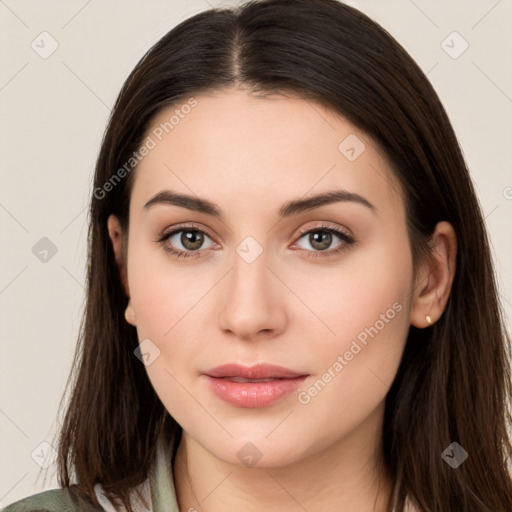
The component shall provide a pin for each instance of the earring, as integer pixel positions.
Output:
(126, 315)
(429, 320)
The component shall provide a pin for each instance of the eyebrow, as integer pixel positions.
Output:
(288, 209)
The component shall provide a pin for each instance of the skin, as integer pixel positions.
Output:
(284, 308)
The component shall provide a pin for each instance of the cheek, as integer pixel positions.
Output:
(169, 312)
(166, 301)
(171, 304)
(365, 304)
(359, 292)
(162, 291)
(354, 376)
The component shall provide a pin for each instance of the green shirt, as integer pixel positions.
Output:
(159, 483)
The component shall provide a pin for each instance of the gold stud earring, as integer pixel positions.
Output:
(429, 320)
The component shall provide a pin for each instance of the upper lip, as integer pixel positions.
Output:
(258, 371)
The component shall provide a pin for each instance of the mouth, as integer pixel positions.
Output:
(252, 387)
(242, 379)
(258, 371)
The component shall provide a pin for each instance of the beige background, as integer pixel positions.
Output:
(54, 111)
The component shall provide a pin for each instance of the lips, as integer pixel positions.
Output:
(256, 372)
(251, 387)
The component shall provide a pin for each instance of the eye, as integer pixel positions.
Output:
(320, 238)
(185, 241)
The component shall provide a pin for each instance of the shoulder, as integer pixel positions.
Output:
(54, 500)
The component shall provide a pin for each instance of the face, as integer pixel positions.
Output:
(321, 289)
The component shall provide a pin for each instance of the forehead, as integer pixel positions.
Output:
(253, 150)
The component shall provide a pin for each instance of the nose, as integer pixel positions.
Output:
(252, 301)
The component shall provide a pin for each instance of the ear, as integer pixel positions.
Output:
(435, 278)
(118, 238)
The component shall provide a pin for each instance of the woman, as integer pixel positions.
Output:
(290, 298)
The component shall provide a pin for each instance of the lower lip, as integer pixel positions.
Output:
(253, 394)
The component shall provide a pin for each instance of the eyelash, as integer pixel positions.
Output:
(347, 241)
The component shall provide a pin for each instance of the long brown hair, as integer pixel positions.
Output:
(453, 383)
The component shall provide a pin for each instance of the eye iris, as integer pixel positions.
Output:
(192, 240)
(320, 240)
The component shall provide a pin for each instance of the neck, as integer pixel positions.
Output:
(344, 476)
